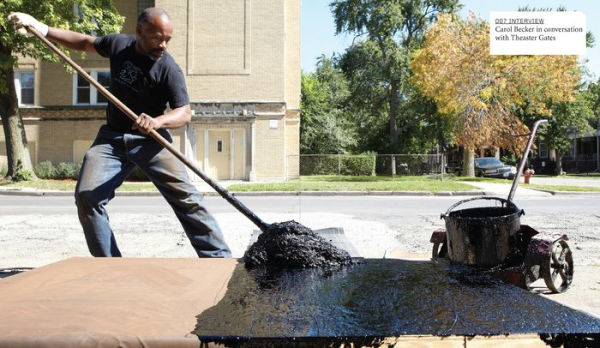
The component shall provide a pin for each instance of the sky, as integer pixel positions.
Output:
(318, 28)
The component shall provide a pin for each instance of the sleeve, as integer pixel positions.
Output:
(102, 45)
(176, 89)
(107, 45)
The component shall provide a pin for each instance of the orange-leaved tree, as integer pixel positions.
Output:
(482, 93)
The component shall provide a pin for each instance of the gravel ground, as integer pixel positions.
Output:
(35, 240)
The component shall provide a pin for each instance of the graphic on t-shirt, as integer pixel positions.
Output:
(129, 73)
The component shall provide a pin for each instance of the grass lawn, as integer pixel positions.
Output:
(69, 185)
(305, 183)
(358, 183)
(488, 180)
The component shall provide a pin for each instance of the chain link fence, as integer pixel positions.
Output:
(367, 164)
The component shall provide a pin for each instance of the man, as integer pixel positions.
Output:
(146, 78)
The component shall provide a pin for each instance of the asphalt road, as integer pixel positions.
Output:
(38, 230)
(366, 206)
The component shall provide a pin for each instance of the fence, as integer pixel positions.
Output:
(368, 164)
(580, 164)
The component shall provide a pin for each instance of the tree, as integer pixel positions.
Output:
(324, 128)
(568, 118)
(482, 92)
(91, 16)
(419, 126)
(593, 92)
(391, 30)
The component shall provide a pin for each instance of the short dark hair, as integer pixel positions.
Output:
(150, 13)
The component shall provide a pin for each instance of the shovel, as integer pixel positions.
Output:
(263, 226)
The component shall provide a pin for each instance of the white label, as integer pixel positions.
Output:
(537, 33)
(273, 124)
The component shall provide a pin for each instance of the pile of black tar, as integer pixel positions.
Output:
(292, 245)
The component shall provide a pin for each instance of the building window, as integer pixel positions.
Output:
(25, 87)
(144, 4)
(543, 150)
(219, 145)
(86, 94)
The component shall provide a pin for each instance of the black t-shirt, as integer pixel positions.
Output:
(143, 84)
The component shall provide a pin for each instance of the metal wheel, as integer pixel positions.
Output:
(558, 271)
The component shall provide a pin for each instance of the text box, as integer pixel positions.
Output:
(537, 33)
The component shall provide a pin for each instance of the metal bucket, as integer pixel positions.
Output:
(480, 236)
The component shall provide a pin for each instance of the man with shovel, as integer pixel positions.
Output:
(146, 79)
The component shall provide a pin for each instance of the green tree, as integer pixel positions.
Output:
(420, 127)
(593, 92)
(324, 127)
(568, 118)
(89, 16)
(390, 30)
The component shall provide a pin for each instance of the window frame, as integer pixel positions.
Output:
(543, 149)
(93, 90)
(19, 87)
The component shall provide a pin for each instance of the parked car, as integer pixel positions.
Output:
(494, 168)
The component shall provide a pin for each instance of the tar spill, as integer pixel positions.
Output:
(292, 245)
(377, 299)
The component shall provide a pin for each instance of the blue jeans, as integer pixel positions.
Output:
(110, 159)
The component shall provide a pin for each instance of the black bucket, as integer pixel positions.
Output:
(480, 236)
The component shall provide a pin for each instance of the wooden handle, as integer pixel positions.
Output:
(515, 184)
(154, 134)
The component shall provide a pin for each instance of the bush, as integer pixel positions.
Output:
(63, 170)
(358, 165)
(21, 174)
(44, 170)
(67, 170)
(337, 164)
(3, 169)
(319, 165)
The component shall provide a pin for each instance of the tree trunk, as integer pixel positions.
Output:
(394, 107)
(468, 165)
(558, 169)
(18, 158)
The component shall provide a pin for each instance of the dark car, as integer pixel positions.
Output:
(494, 168)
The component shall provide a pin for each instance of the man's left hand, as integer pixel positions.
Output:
(145, 124)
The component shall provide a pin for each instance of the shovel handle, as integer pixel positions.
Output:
(154, 134)
(515, 183)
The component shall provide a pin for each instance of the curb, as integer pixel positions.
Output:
(568, 193)
(259, 193)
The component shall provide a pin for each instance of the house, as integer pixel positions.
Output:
(241, 60)
(584, 154)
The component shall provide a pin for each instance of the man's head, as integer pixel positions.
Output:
(154, 30)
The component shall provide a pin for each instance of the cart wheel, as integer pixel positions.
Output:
(558, 272)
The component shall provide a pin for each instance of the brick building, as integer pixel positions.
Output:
(241, 60)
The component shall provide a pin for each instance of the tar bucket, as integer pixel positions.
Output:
(480, 236)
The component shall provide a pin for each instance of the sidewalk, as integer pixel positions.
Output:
(502, 190)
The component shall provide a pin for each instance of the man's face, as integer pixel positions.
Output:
(153, 37)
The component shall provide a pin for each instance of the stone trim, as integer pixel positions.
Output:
(69, 113)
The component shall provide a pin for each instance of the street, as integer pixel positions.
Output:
(37, 230)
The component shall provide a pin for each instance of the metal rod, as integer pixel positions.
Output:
(154, 134)
(515, 183)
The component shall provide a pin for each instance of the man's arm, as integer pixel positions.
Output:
(72, 40)
(172, 119)
(67, 38)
